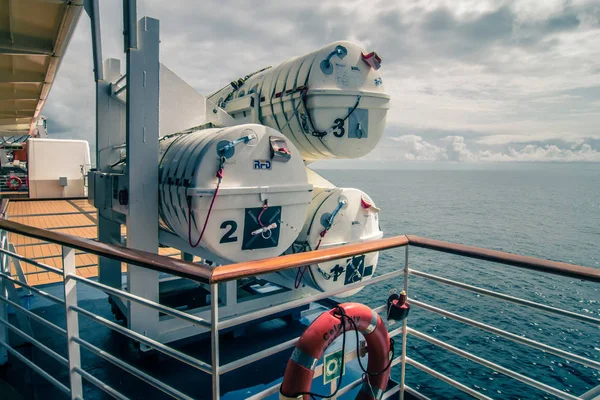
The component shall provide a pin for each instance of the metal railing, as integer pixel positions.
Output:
(213, 276)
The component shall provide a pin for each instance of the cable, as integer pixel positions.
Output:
(212, 203)
(264, 208)
(302, 270)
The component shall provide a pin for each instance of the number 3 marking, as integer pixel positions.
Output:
(339, 132)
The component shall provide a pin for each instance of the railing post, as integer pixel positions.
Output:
(4, 306)
(214, 339)
(404, 328)
(68, 259)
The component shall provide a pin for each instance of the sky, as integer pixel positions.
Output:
(470, 81)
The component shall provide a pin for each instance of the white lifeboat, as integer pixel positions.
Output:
(337, 216)
(330, 103)
(239, 192)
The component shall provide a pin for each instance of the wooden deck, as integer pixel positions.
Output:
(75, 217)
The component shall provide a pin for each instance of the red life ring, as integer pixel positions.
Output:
(14, 182)
(321, 333)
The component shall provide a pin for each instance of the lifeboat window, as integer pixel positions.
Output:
(254, 89)
(242, 93)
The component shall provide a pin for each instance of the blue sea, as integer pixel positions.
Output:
(550, 211)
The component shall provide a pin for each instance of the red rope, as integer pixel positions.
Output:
(264, 208)
(212, 203)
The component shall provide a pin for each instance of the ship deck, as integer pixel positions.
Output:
(70, 216)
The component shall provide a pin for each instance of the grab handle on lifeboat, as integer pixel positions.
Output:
(326, 65)
(227, 149)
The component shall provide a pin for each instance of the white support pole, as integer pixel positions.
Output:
(142, 170)
(5, 268)
(404, 329)
(68, 259)
(214, 340)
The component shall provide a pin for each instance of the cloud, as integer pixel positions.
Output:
(416, 148)
(455, 149)
(513, 73)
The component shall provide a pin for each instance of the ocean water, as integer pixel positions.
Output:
(548, 211)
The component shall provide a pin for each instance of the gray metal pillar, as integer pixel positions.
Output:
(110, 128)
(142, 169)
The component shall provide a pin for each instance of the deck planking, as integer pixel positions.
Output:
(74, 217)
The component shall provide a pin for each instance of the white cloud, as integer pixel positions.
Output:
(568, 137)
(455, 148)
(415, 148)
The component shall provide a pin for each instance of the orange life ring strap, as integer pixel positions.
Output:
(319, 336)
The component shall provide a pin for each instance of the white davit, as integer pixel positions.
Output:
(337, 216)
(330, 103)
(262, 199)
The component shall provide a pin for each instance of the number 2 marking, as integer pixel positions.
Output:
(227, 237)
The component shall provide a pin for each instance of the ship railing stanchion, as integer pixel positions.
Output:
(404, 328)
(72, 318)
(214, 339)
(4, 306)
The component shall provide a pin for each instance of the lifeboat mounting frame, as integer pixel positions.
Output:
(129, 114)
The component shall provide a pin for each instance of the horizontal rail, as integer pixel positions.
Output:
(184, 358)
(446, 379)
(40, 243)
(510, 336)
(414, 393)
(346, 389)
(498, 368)
(512, 299)
(391, 392)
(35, 342)
(37, 369)
(357, 382)
(35, 317)
(141, 258)
(52, 214)
(252, 268)
(592, 394)
(58, 228)
(532, 263)
(32, 288)
(32, 262)
(257, 356)
(99, 384)
(140, 300)
(265, 393)
(131, 369)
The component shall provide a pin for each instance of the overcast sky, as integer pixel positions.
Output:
(471, 81)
